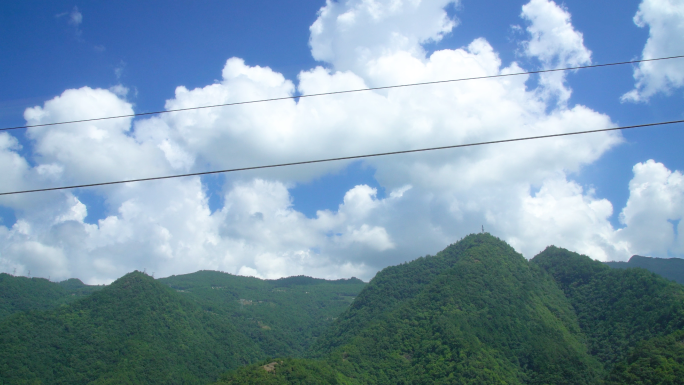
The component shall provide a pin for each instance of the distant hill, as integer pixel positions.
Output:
(284, 316)
(184, 329)
(135, 330)
(616, 308)
(670, 268)
(18, 294)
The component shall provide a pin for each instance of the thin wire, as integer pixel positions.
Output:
(343, 92)
(342, 158)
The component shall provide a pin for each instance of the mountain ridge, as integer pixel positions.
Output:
(458, 309)
(670, 268)
(476, 312)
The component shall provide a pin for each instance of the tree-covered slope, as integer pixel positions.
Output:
(616, 308)
(286, 371)
(18, 294)
(134, 331)
(670, 268)
(477, 312)
(659, 360)
(283, 317)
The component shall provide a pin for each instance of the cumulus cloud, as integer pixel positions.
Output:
(433, 198)
(652, 216)
(169, 228)
(353, 34)
(555, 42)
(91, 151)
(665, 20)
(561, 213)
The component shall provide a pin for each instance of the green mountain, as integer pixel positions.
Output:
(181, 329)
(479, 313)
(670, 268)
(659, 360)
(134, 331)
(476, 312)
(18, 294)
(283, 317)
(287, 371)
(616, 308)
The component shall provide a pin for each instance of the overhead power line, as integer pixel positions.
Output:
(342, 158)
(343, 92)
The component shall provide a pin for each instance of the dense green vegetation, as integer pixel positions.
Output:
(18, 294)
(480, 313)
(616, 308)
(286, 371)
(134, 331)
(182, 329)
(283, 317)
(670, 268)
(656, 361)
(475, 313)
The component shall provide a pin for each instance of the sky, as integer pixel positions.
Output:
(608, 195)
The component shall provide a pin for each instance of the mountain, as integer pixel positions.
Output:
(283, 317)
(670, 268)
(476, 312)
(286, 371)
(181, 329)
(659, 360)
(135, 330)
(18, 294)
(616, 308)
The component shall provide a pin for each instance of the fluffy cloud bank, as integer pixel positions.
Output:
(435, 198)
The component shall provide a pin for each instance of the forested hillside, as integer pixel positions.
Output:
(670, 268)
(19, 294)
(282, 316)
(616, 308)
(135, 330)
(659, 360)
(477, 312)
(184, 329)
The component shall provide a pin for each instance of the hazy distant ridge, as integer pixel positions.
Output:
(670, 268)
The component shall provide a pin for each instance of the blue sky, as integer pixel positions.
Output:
(137, 54)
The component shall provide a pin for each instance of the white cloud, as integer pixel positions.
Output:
(665, 19)
(75, 17)
(119, 90)
(15, 165)
(95, 151)
(562, 214)
(77, 212)
(352, 34)
(433, 198)
(655, 205)
(555, 42)
(168, 228)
